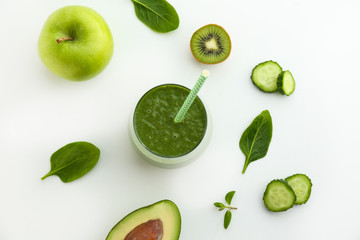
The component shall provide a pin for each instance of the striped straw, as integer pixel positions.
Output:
(191, 97)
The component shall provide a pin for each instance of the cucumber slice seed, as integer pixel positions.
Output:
(301, 184)
(286, 83)
(279, 196)
(265, 75)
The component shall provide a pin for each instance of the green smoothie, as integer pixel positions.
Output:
(154, 121)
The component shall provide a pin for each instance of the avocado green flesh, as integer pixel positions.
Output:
(159, 221)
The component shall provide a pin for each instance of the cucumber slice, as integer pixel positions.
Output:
(286, 83)
(279, 196)
(265, 75)
(301, 184)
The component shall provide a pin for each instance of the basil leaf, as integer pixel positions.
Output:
(229, 196)
(227, 219)
(73, 161)
(255, 140)
(158, 15)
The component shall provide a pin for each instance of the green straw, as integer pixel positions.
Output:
(191, 97)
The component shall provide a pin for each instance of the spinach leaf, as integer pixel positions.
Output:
(158, 15)
(255, 140)
(73, 161)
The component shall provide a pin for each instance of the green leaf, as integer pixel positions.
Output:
(255, 140)
(158, 15)
(229, 196)
(220, 206)
(73, 161)
(227, 219)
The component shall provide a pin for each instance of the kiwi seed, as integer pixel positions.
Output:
(210, 44)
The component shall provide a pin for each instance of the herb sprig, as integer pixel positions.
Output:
(228, 215)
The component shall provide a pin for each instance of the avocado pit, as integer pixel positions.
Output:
(150, 230)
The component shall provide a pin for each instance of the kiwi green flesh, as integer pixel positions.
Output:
(210, 44)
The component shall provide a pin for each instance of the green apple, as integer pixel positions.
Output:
(75, 43)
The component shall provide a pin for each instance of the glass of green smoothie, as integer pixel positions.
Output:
(155, 135)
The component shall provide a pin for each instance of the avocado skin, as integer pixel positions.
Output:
(165, 210)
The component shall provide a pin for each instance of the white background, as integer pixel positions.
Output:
(315, 130)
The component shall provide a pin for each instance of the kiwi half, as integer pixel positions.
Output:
(210, 44)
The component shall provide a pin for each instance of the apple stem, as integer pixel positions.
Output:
(64, 39)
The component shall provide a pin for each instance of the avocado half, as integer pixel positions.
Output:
(158, 221)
